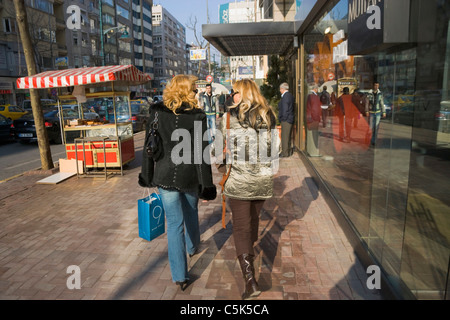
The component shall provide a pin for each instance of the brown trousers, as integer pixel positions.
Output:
(245, 217)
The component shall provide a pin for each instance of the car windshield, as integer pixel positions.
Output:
(135, 108)
(50, 114)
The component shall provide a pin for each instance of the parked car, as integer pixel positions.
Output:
(443, 117)
(12, 112)
(25, 130)
(157, 98)
(26, 104)
(139, 114)
(405, 115)
(6, 129)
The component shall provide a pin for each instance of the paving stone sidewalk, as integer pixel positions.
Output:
(92, 223)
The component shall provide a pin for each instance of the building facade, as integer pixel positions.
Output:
(61, 41)
(169, 47)
(42, 22)
(143, 41)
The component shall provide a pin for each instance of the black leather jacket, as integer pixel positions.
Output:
(191, 174)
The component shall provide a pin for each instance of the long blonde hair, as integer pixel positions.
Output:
(181, 90)
(252, 104)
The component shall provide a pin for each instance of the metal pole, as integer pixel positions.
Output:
(209, 45)
(102, 48)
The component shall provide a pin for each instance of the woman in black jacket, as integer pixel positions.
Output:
(182, 173)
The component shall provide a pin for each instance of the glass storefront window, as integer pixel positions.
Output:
(380, 139)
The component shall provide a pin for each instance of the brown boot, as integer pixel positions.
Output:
(248, 271)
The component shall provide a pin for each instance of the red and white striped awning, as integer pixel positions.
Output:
(83, 76)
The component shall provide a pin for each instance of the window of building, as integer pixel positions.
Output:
(109, 19)
(75, 38)
(108, 2)
(9, 25)
(43, 5)
(121, 11)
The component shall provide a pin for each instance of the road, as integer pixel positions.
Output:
(17, 158)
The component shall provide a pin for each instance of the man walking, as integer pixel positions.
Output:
(286, 118)
(376, 111)
(210, 105)
(325, 100)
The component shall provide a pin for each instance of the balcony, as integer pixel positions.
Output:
(62, 49)
(60, 23)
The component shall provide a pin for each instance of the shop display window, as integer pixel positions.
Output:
(388, 165)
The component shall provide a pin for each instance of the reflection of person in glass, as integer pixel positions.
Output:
(376, 111)
(349, 112)
(313, 116)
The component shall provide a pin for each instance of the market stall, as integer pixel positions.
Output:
(95, 112)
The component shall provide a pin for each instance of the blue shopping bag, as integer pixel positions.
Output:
(151, 218)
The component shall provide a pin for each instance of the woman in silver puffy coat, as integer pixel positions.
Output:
(254, 146)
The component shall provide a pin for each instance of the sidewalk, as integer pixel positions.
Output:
(92, 223)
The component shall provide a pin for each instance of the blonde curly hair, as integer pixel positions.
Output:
(181, 90)
(252, 104)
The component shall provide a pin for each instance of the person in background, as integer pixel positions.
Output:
(313, 116)
(325, 100)
(250, 182)
(286, 118)
(180, 183)
(210, 104)
(377, 111)
(361, 102)
(349, 112)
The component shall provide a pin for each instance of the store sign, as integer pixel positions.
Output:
(224, 13)
(377, 24)
(61, 62)
(365, 25)
(245, 70)
(340, 51)
(198, 54)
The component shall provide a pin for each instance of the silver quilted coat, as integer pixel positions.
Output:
(254, 160)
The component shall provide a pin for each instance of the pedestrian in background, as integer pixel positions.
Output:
(286, 118)
(313, 115)
(179, 184)
(361, 102)
(249, 183)
(377, 110)
(349, 111)
(210, 104)
(325, 100)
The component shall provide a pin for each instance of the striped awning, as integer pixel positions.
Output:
(128, 74)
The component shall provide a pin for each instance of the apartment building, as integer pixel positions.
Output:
(169, 47)
(42, 24)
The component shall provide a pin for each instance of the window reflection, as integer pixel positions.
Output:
(385, 155)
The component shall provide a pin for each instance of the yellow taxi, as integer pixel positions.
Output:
(12, 112)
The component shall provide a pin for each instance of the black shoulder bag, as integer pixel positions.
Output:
(154, 147)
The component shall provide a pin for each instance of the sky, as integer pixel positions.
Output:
(182, 10)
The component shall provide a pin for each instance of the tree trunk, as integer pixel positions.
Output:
(41, 132)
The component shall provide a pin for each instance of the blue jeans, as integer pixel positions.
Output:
(183, 233)
(211, 122)
(374, 124)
